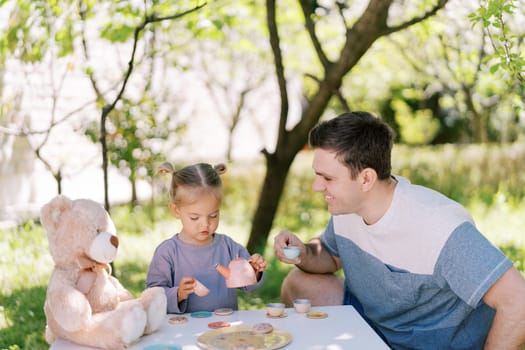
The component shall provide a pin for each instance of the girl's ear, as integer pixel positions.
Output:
(174, 210)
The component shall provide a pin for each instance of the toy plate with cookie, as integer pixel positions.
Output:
(243, 337)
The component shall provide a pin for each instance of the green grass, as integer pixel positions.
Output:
(488, 180)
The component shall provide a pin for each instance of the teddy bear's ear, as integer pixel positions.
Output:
(51, 212)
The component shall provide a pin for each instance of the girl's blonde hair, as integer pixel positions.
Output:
(194, 179)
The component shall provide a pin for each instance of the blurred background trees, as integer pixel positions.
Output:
(182, 81)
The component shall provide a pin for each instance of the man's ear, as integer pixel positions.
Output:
(368, 178)
(174, 210)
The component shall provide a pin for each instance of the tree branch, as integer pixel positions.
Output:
(310, 28)
(337, 92)
(279, 68)
(438, 6)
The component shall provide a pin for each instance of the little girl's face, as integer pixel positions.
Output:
(199, 219)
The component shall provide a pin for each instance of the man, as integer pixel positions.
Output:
(415, 265)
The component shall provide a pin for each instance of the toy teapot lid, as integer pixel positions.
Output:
(239, 273)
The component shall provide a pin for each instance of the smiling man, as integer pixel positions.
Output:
(415, 265)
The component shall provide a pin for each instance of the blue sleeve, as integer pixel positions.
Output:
(328, 239)
(470, 263)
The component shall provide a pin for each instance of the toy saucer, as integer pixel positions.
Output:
(283, 315)
(177, 320)
(262, 328)
(218, 324)
(223, 311)
(201, 314)
(317, 315)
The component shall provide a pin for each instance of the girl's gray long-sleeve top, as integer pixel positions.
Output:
(174, 259)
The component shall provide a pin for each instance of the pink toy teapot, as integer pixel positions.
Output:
(239, 273)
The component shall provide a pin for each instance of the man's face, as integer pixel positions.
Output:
(332, 178)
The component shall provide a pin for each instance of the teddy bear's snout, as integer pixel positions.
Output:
(103, 249)
(114, 241)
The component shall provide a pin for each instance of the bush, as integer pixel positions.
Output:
(465, 173)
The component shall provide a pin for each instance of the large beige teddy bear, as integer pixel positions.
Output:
(84, 303)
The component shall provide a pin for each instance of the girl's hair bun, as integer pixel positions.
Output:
(165, 168)
(220, 168)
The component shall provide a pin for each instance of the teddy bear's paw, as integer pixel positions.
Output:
(156, 310)
(133, 324)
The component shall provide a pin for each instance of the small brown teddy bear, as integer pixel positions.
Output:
(84, 303)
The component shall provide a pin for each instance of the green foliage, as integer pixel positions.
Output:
(36, 24)
(240, 194)
(217, 19)
(141, 220)
(516, 254)
(135, 135)
(496, 17)
(65, 36)
(417, 128)
(118, 33)
(465, 173)
(420, 118)
(301, 210)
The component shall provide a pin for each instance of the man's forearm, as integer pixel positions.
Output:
(317, 259)
(506, 333)
(508, 326)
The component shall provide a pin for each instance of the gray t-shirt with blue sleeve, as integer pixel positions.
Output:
(421, 271)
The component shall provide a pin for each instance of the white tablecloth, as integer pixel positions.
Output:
(343, 329)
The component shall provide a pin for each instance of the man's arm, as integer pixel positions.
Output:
(317, 259)
(507, 297)
(314, 258)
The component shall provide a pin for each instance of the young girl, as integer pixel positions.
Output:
(190, 256)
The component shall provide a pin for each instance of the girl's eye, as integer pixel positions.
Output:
(213, 216)
(194, 218)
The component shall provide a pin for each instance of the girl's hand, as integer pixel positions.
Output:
(258, 262)
(186, 287)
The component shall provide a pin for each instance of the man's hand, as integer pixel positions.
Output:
(283, 239)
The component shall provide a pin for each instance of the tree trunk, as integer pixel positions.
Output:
(272, 190)
(134, 197)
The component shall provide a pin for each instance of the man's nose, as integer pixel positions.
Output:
(318, 186)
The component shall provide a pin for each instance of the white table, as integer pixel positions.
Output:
(343, 329)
